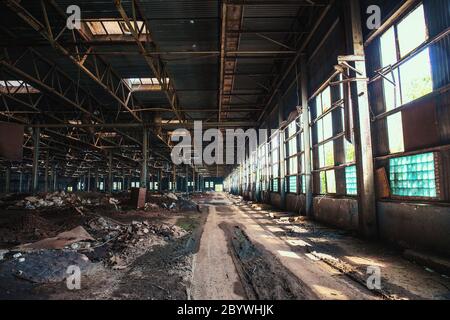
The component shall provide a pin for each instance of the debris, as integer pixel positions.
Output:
(46, 266)
(60, 241)
(62, 199)
(172, 196)
(17, 255)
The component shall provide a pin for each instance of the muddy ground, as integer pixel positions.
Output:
(230, 249)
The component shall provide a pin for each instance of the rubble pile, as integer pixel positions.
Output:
(171, 202)
(63, 199)
(118, 245)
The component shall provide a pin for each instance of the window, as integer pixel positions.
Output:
(263, 166)
(407, 77)
(16, 86)
(327, 182)
(414, 176)
(351, 180)
(292, 187)
(327, 125)
(134, 184)
(274, 162)
(114, 27)
(146, 84)
(291, 160)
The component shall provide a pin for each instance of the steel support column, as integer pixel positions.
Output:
(362, 128)
(20, 181)
(174, 179)
(89, 181)
(110, 173)
(54, 187)
(46, 173)
(187, 180)
(306, 138)
(144, 174)
(282, 153)
(7, 180)
(35, 174)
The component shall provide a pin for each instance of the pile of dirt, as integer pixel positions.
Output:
(33, 226)
(118, 244)
(262, 275)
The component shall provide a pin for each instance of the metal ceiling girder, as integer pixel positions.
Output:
(279, 80)
(60, 91)
(97, 69)
(157, 66)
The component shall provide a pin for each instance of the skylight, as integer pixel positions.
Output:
(113, 27)
(16, 86)
(145, 84)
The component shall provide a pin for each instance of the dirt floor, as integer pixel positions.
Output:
(231, 249)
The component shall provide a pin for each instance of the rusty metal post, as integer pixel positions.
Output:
(35, 174)
(306, 138)
(368, 225)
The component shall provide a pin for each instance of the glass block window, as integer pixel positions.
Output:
(275, 185)
(350, 180)
(292, 184)
(413, 176)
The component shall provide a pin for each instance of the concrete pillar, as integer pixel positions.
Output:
(193, 179)
(187, 180)
(54, 175)
(368, 225)
(20, 181)
(306, 138)
(89, 180)
(110, 174)
(174, 179)
(35, 172)
(159, 177)
(7, 180)
(46, 173)
(282, 153)
(96, 181)
(123, 180)
(144, 174)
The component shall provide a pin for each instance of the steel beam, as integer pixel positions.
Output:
(35, 174)
(156, 65)
(110, 173)
(144, 174)
(7, 180)
(279, 81)
(306, 137)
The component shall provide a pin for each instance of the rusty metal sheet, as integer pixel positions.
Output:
(138, 197)
(382, 182)
(420, 125)
(11, 141)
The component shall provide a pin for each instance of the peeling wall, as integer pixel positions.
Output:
(415, 226)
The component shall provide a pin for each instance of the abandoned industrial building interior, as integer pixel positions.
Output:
(345, 195)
